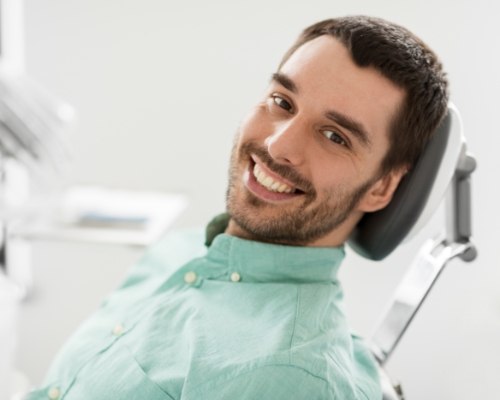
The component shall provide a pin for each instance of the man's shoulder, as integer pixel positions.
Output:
(279, 381)
(262, 380)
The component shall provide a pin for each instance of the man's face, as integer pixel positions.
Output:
(306, 162)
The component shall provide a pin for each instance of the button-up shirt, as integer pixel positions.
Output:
(239, 320)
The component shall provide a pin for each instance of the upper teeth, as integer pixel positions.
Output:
(269, 183)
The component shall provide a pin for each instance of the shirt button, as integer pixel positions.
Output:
(190, 277)
(54, 393)
(118, 329)
(235, 277)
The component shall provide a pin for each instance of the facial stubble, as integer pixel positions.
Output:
(306, 223)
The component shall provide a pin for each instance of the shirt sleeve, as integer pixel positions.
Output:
(275, 382)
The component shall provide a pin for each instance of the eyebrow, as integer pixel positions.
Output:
(285, 81)
(353, 126)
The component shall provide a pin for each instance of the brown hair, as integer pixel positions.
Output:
(406, 61)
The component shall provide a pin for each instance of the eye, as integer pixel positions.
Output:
(335, 137)
(282, 103)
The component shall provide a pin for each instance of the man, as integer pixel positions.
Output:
(258, 314)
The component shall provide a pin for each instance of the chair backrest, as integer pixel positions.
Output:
(417, 196)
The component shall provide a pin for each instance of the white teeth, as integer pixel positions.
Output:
(269, 183)
(275, 186)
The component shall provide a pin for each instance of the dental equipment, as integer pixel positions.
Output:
(445, 167)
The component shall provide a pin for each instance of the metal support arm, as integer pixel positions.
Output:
(431, 260)
(424, 272)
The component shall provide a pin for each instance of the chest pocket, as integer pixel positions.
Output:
(116, 375)
(113, 374)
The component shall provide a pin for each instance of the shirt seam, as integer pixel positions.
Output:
(292, 337)
(228, 377)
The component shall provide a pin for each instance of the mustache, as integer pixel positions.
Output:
(285, 171)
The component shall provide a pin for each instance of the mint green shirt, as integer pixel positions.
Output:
(242, 320)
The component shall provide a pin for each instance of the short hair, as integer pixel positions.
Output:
(405, 60)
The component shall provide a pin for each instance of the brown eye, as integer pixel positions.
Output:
(282, 103)
(335, 137)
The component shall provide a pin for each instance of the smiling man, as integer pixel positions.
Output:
(308, 161)
(258, 313)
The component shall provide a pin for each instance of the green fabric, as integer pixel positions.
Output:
(276, 333)
(216, 226)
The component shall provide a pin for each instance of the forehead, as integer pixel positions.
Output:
(327, 78)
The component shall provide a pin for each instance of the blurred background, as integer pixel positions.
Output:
(159, 88)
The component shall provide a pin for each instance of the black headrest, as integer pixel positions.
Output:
(379, 233)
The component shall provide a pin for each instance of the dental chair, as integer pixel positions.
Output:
(443, 170)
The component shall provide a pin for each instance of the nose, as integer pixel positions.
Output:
(287, 144)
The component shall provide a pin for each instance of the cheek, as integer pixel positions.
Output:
(332, 173)
(254, 125)
(324, 183)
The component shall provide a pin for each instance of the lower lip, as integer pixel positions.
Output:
(261, 192)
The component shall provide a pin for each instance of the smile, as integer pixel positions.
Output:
(268, 185)
(269, 182)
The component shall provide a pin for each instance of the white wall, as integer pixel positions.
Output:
(160, 87)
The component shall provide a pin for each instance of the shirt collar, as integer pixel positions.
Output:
(264, 262)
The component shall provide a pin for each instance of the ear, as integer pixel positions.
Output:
(380, 193)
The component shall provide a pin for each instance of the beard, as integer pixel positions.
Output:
(309, 220)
